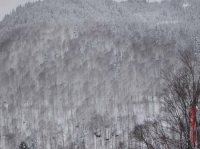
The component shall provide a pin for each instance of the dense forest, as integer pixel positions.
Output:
(87, 74)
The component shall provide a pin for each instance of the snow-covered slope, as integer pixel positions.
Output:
(79, 11)
(84, 81)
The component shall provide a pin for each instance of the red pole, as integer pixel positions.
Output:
(193, 126)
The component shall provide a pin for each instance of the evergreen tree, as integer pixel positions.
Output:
(23, 145)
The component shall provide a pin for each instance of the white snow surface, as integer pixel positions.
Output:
(185, 5)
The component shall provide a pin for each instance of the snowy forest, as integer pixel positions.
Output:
(99, 74)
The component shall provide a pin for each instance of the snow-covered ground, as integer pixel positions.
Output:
(185, 5)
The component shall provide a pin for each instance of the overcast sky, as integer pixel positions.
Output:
(6, 6)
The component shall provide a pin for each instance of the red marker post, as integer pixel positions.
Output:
(193, 127)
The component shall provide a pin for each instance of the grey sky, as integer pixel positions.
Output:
(6, 6)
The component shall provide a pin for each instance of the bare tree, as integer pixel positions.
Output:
(180, 93)
(142, 133)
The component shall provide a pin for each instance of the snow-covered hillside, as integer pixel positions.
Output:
(82, 74)
(78, 11)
